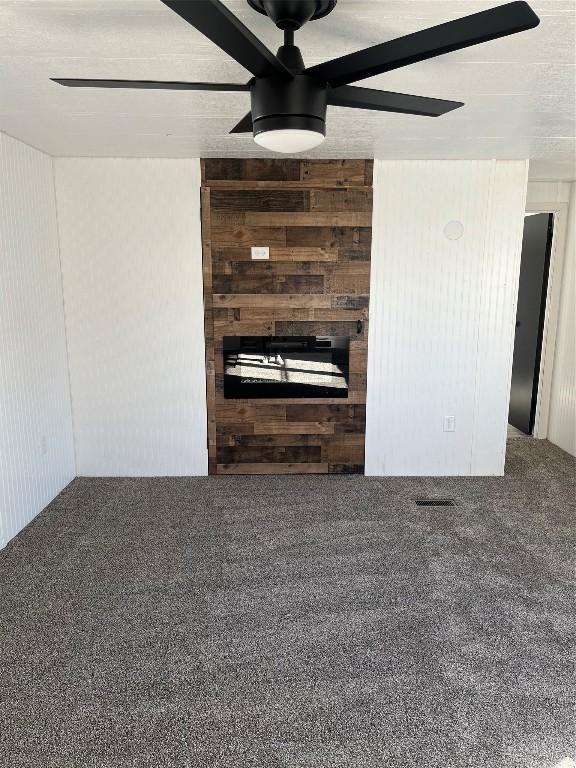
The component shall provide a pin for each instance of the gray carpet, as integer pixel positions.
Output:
(295, 622)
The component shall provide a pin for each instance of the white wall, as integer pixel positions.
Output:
(442, 315)
(36, 443)
(132, 267)
(562, 420)
(548, 192)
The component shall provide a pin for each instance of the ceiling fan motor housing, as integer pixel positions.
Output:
(293, 14)
(299, 103)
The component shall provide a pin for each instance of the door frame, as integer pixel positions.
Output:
(560, 211)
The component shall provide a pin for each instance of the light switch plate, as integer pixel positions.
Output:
(449, 423)
(260, 253)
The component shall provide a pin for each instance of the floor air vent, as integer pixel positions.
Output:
(430, 502)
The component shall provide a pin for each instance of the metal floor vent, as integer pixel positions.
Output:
(431, 502)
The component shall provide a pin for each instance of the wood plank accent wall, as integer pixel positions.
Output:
(316, 217)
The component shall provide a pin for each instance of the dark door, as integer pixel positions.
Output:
(534, 265)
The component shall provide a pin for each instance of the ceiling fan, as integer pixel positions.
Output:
(289, 100)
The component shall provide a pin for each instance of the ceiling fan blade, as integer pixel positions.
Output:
(245, 125)
(149, 85)
(387, 101)
(435, 41)
(217, 23)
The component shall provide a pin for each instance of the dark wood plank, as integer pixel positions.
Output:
(293, 184)
(346, 469)
(264, 200)
(272, 469)
(342, 454)
(347, 268)
(293, 428)
(224, 313)
(349, 199)
(225, 168)
(234, 413)
(345, 314)
(275, 269)
(241, 454)
(325, 413)
(250, 236)
(268, 314)
(341, 301)
(348, 283)
(273, 300)
(309, 219)
(257, 169)
(358, 354)
(228, 219)
(337, 172)
(244, 328)
(358, 426)
(354, 253)
(344, 438)
(357, 381)
(369, 172)
(268, 284)
(208, 326)
(229, 431)
(319, 328)
(326, 237)
(283, 440)
(252, 314)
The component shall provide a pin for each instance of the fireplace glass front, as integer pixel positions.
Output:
(285, 366)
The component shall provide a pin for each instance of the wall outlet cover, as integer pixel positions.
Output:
(260, 253)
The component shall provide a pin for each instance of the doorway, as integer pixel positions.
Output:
(530, 317)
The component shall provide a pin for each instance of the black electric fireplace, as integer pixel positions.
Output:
(285, 366)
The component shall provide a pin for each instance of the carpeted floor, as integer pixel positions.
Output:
(295, 622)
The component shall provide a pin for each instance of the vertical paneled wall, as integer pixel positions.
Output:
(445, 262)
(132, 267)
(36, 443)
(316, 217)
(562, 424)
(496, 319)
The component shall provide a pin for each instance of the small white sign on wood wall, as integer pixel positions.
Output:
(260, 253)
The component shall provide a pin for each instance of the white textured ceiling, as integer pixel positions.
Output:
(519, 91)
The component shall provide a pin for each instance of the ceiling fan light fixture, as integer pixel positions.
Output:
(289, 116)
(289, 141)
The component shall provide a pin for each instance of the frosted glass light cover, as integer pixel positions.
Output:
(289, 140)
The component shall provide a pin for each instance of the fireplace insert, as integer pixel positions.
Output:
(285, 366)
